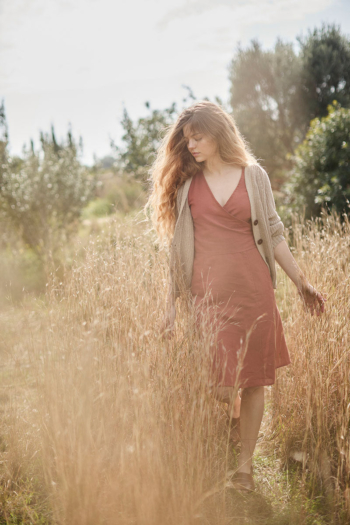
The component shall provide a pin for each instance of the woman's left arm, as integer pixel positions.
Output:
(310, 296)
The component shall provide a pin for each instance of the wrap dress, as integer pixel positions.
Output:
(232, 289)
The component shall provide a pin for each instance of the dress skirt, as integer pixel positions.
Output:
(232, 289)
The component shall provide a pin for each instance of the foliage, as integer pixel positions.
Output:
(325, 74)
(321, 176)
(97, 208)
(3, 141)
(142, 138)
(275, 94)
(21, 273)
(126, 195)
(264, 100)
(43, 194)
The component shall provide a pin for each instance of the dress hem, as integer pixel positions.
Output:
(257, 381)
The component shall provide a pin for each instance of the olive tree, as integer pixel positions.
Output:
(43, 193)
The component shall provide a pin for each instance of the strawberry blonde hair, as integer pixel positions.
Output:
(174, 163)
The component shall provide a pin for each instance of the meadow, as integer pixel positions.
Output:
(105, 422)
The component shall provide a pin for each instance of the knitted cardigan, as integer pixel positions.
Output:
(266, 223)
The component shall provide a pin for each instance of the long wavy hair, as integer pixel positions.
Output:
(174, 163)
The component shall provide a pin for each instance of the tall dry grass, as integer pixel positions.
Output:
(107, 423)
(311, 400)
(124, 425)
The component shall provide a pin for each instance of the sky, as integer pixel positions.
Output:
(76, 64)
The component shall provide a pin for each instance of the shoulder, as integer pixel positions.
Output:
(257, 172)
(258, 175)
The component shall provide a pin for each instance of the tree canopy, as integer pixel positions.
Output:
(275, 93)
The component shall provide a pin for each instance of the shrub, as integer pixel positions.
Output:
(43, 195)
(321, 176)
(97, 208)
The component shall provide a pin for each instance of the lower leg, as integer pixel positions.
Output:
(252, 409)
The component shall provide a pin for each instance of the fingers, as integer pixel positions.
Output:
(319, 303)
(322, 299)
(312, 300)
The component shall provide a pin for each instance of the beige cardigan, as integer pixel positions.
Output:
(266, 223)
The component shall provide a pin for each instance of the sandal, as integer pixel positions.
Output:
(243, 482)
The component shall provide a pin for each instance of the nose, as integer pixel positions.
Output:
(191, 144)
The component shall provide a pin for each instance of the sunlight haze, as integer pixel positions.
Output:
(78, 62)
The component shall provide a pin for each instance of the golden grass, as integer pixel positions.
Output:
(311, 400)
(104, 422)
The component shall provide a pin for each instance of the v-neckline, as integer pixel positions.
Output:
(212, 194)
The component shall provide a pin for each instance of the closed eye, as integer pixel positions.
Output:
(197, 140)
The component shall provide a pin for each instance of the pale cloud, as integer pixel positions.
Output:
(78, 61)
(247, 11)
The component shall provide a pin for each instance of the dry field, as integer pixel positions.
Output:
(103, 422)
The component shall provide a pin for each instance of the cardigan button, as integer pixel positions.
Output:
(256, 222)
(260, 241)
(267, 259)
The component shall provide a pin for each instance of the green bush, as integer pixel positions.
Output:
(321, 174)
(21, 272)
(43, 195)
(126, 196)
(97, 208)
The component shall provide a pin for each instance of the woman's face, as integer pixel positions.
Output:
(200, 145)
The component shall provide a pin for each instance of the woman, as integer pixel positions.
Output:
(214, 201)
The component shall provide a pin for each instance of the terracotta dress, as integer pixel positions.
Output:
(232, 289)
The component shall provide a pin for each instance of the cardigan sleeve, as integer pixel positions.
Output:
(173, 287)
(177, 202)
(275, 222)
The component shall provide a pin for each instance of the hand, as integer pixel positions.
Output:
(312, 298)
(167, 325)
